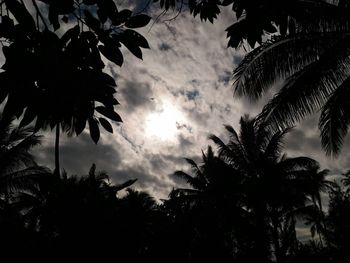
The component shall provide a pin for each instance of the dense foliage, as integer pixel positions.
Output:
(55, 47)
(242, 204)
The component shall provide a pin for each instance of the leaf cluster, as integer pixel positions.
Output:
(53, 76)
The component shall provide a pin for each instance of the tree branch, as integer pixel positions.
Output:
(40, 14)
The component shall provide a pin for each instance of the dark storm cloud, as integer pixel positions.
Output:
(136, 5)
(145, 180)
(185, 127)
(187, 67)
(78, 154)
(136, 94)
(305, 137)
(192, 94)
(225, 78)
(164, 47)
(237, 58)
(136, 172)
(159, 162)
(294, 139)
(199, 118)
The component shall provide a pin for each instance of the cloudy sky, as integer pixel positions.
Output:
(170, 102)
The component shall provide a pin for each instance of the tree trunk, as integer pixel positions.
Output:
(262, 236)
(57, 150)
(276, 239)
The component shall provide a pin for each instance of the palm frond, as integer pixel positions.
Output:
(192, 181)
(232, 134)
(21, 179)
(222, 147)
(346, 180)
(12, 161)
(248, 138)
(122, 186)
(320, 16)
(306, 91)
(193, 164)
(277, 58)
(180, 192)
(335, 119)
(298, 163)
(275, 144)
(232, 153)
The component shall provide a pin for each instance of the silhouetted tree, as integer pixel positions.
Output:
(317, 184)
(255, 19)
(210, 206)
(56, 77)
(337, 223)
(73, 213)
(263, 190)
(302, 42)
(18, 172)
(275, 186)
(312, 59)
(18, 168)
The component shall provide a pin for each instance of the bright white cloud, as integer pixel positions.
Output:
(189, 69)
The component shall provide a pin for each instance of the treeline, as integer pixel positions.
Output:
(243, 201)
(242, 204)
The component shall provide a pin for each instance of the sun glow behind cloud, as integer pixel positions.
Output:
(163, 124)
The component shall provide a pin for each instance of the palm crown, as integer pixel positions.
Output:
(313, 59)
(17, 165)
(254, 180)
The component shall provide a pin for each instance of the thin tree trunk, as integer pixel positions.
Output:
(57, 150)
(262, 239)
(322, 220)
(276, 240)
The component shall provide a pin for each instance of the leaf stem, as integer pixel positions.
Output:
(40, 14)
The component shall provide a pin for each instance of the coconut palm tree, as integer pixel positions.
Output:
(18, 168)
(313, 60)
(18, 172)
(212, 209)
(73, 212)
(337, 222)
(314, 215)
(274, 186)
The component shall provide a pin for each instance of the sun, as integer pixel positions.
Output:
(164, 124)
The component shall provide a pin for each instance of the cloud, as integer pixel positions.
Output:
(135, 95)
(189, 68)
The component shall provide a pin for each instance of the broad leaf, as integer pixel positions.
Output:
(21, 14)
(135, 38)
(122, 17)
(91, 21)
(109, 113)
(106, 125)
(94, 130)
(137, 21)
(112, 53)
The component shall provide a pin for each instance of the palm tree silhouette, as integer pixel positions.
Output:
(260, 182)
(337, 222)
(73, 212)
(313, 59)
(18, 173)
(314, 214)
(276, 186)
(18, 170)
(211, 205)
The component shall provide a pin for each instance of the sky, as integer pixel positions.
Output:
(170, 102)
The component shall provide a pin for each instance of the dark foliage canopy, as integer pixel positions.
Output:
(55, 75)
